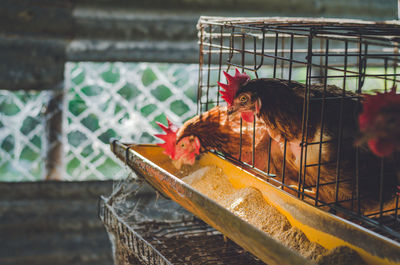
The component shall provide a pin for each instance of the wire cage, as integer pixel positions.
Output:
(147, 229)
(356, 57)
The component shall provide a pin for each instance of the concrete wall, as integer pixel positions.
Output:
(48, 223)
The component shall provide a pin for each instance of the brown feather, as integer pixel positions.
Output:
(282, 109)
(216, 131)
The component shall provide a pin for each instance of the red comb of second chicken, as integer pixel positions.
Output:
(169, 138)
(234, 82)
(380, 122)
(373, 104)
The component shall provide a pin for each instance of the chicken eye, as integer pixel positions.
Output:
(243, 99)
(182, 145)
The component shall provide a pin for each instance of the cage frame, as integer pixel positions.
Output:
(363, 34)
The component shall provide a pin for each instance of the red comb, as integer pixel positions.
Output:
(373, 105)
(234, 82)
(169, 138)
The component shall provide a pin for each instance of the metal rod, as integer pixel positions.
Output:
(396, 221)
(386, 68)
(209, 71)
(262, 51)
(283, 55)
(340, 133)
(240, 139)
(284, 162)
(306, 102)
(337, 33)
(291, 59)
(357, 158)
(231, 48)
(322, 124)
(220, 63)
(395, 67)
(269, 156)
(255, 57)
(254, 142)
(379, 76)
(276, 53)
(201, 62)
(381, 185)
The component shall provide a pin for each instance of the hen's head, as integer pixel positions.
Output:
(182, 152)
(243, 102)
(380, 122)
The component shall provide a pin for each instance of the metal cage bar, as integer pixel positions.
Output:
(354, 54)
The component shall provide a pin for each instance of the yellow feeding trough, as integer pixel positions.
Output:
(321, 228)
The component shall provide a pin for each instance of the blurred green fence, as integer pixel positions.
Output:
(22, 135)
(103, 100)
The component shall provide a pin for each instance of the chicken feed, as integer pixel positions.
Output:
(249, 204)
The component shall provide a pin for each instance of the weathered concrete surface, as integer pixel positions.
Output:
(37, 37)
(51, 223)
(33, 41)
(31, 63)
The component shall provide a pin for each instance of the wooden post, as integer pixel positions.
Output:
(54, 131)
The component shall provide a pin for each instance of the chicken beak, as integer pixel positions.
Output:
(177, 163)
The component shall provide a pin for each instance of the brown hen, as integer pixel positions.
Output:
(280, 104)
(213, 130)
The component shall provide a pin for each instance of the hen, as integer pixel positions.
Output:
(380, 126)
(213, 130)
(380, 123)
(280, 104)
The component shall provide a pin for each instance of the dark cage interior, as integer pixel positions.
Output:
(330, 65)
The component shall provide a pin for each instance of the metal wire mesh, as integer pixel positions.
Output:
(146, 229)
(22, 135)
(355, 56)
(120, 100)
